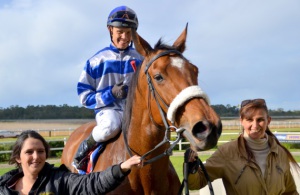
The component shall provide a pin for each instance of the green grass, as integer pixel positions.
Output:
(4, 170)
(176, 160)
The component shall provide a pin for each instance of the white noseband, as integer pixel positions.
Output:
(185, 95)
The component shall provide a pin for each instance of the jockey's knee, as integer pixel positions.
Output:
(101, 134)
(108, 125)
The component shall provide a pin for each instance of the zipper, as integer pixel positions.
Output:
(242, 171)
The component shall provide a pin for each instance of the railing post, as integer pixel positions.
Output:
(180, 145)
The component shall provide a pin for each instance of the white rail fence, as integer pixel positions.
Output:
(227, 124)
(285, 137)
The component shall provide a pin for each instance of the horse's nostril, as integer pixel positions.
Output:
(200, 129)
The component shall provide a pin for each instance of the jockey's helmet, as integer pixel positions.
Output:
(123, 16)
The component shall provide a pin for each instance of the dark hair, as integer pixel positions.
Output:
(246, 111)
(17, 147)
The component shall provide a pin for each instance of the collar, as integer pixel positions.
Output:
(271, 141)
(257, 144)
(112, 47)
(14, 175)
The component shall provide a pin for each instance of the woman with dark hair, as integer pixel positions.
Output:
(255, 163)
(16, 151)
(35, 176)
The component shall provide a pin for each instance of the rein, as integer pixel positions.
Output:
(167, 152)
(184, 183)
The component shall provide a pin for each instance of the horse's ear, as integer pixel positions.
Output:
(179, 44)
(140, 44)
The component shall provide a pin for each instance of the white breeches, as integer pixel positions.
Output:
(108, 125)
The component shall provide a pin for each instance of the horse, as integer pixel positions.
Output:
(164, 96)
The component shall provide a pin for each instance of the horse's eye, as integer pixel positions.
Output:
(158, 78)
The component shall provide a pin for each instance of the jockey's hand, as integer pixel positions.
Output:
(193, 162)
(133, 161)
(119, 90)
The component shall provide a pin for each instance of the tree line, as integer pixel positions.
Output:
(75, 112)
(233, 111)
(46, 112)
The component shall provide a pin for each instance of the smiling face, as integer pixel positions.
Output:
(121, 37)
(256, 123)
(32, 156)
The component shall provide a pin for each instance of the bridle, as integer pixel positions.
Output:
(168, 127)
(180, 99)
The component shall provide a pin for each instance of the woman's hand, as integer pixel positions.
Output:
(133, 161)
(193, 161)
(192, 155)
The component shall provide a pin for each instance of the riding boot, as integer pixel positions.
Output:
(80, 159)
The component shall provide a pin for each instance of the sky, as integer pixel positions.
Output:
(243, 49)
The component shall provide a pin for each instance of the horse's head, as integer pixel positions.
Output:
(173, 81)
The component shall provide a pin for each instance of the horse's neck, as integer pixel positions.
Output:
(146, 129)
(144, 138)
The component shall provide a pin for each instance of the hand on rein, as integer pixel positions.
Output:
(193, 161)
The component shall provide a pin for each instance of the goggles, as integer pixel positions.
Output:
(246, 102)
(126, 15)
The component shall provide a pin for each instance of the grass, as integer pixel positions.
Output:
(4, 170)
(177, 162)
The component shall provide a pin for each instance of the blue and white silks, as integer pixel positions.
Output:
(106, 68)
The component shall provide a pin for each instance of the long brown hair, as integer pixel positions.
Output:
(17, 147)
(248, 107)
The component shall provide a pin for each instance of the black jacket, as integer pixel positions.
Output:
(55, 181)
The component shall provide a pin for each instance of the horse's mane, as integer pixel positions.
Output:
(133, 85)
(129, 100)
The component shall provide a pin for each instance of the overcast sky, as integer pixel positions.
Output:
(243, 49)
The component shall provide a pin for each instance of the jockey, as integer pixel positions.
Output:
(104, 81)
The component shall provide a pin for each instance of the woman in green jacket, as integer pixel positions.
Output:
(255, 163)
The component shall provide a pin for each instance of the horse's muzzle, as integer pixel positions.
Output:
(206, 134)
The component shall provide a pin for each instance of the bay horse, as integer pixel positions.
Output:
(164, 96)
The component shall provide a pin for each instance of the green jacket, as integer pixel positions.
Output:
(242, 177)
